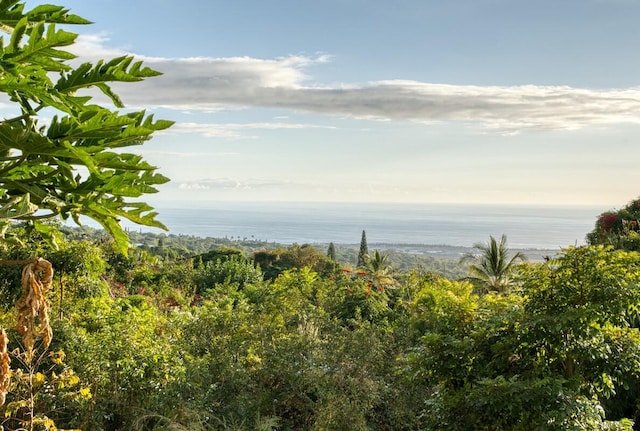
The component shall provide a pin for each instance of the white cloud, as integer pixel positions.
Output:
(185, 155)
(93, 47)
(193, 186)
(232, 184)
(233, 130)
(205, 84)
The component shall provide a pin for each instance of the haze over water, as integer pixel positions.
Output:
(541, 227)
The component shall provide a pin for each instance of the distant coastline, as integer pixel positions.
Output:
(451, 252)
(428, 228)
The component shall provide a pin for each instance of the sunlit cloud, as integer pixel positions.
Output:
(234, 130)
(210, 84)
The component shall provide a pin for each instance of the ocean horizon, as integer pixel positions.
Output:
(463, 225)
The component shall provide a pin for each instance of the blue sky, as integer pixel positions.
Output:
(465, 101)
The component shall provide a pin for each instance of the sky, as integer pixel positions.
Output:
(417, 101)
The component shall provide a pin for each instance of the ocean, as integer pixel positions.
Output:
(526, 227)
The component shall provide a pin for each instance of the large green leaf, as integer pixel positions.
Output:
(17, 207)
(40, 50)
(117, 70)
(65, 166)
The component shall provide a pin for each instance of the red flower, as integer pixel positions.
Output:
(607, 220)
(380, 289)
(361, 273)
(346, 270)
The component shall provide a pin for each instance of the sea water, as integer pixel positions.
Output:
(526, 227)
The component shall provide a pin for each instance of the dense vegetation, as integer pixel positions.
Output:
(100, 335)
(618, 228)
(166, 338)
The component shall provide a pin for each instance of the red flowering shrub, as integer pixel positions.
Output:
(619, 229)
(607, 221)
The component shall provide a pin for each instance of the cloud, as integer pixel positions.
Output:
(259, 189)
(185, 155)
(233, 130)
(207, 84)
(232, 184)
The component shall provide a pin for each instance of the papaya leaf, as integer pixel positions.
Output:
(49, 233)
(65, 167)
(19, 206)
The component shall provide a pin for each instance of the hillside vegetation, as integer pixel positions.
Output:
(109, 330)
(188, 334)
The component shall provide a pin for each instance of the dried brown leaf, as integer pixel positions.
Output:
(5, 371)
(32, 307)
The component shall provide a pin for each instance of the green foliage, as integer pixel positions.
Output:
(77, 258)
(79, 266)
(11, 275)
(378, 262)
(205, 343)
(219, 345)
(363, 253)
(181, 334)
(443, 260)
(236, 270)
(492, 268)
(275, 262)
(43, 388)
(548, 359)
(357, 298)
(445, 306)
(218, 254)
(620, 229)
(124, 350)
(71, 165)
(331, 251)
(580, 309)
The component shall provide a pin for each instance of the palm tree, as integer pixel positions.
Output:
(492, 267)
(381, 271)
(378, 261)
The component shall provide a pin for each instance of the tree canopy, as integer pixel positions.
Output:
(618, 228)
(288, 338)
(363, 254)
(492, 267)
